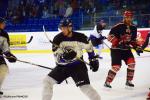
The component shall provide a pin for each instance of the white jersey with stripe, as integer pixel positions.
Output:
(77, 42)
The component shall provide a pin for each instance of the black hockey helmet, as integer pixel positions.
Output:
(100, 26)
(65, 22)
(2, 20)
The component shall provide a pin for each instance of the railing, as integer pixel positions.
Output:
(141, 21)
(81, 22)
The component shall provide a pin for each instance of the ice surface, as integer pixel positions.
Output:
(26, 80)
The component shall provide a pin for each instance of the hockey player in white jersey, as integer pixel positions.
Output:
(4, 49)
(97, 38)
(68, 64)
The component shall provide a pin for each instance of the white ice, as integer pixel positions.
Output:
(26, 80)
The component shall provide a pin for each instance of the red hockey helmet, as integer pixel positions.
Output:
(128, 13)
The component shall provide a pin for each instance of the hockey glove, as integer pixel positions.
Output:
(123, 45)
(10, 57)
(69, 54)
(138, 50)
(94, 64)
(102, 37)
(113, 39)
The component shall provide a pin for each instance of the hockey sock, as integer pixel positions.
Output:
(3, 73)
(130, 74)
(90, 92)
(111, 76)
(48, 88)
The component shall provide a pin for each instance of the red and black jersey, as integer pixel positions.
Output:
(122, 34)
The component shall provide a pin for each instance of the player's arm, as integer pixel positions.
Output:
(94, 63)
(134, 43)
(113, 36)
(56, 49)
(6, 50)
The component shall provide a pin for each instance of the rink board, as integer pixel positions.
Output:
(25, 81)
(40, 44)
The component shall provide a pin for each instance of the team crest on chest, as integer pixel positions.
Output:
(128, 30)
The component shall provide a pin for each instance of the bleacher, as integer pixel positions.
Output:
(36, 24)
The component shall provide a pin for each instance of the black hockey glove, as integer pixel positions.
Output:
(10, 57)
(123, 46)
(138, 50)
(104, 37)
(69, 54)
(94, 64)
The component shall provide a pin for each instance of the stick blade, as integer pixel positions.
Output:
(31, 38)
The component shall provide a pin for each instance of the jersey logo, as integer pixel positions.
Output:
(128, 30)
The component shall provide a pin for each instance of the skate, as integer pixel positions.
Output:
(100, 57)
(107, 85)
(1, 93)
(148, 96)
(129, 85)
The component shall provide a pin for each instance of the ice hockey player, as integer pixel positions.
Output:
(147, 41)
(123, 36)
(148, 96)
(4, 49)
(97, 38)
(67, 49)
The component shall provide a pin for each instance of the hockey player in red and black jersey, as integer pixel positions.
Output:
(4, 49)
(146, 43)
(123, 36)
(148, 96)
(67, 50)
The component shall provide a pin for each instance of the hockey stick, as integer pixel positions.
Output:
(28, 63)
(123, 49)
(106, 45)
(31, 38)
(29, 41)
(59, 47)
(34, 64)
(146, 50)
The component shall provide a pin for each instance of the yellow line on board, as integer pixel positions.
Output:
(31, 51)
(43, 51)
(50, 51)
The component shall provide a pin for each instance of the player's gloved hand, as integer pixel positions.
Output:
(69, 54)
(94, 64)
(123, 45)
(113, 39)
(138, 50)
(10, 57)
(103, 37)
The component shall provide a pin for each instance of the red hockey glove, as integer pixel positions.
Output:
(114, 40)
